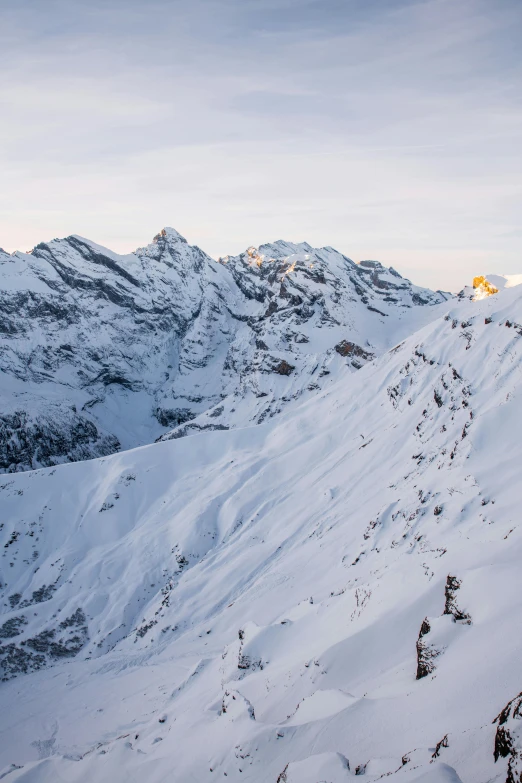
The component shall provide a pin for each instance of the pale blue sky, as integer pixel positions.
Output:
(390, 129)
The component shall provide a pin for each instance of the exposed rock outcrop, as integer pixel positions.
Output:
(100, 351)
(426, 653)
(450, 607)
(483, 288)
(508, 738)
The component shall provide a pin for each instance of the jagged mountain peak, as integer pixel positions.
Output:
(75, 241)
(100, 350)
(484, 286)
(169, 235)
(281, 248)
(289, 258)
(170, 247)
(299, 266)
(278, 250)
(166, 237)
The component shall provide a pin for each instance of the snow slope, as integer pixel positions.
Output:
(333, 593)
(505, 281)
(101, 352)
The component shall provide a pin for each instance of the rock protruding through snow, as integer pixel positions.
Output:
(101, 352)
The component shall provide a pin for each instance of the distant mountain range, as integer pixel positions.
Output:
(327, 593)
(101, 352)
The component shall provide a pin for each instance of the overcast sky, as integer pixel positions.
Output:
(390, 129)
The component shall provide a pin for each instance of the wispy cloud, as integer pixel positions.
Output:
(388, 128)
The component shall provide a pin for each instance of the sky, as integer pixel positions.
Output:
(388, 129)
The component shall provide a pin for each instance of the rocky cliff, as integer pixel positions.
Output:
(101, 352)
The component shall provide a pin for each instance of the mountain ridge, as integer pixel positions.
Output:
(326, 595)
(102, 351)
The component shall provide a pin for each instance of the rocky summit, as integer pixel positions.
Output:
(328, 593)
(101, 352)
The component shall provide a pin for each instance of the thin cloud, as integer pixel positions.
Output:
(395, 124)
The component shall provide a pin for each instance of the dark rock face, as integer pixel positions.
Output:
(429, 646)
(283, 368)
(65, 640)
(452, 587)
(346, 348)
(426, 654)
(283, 777)
(173, 418)
(443, 743)
(25, 442)
(101, 352)
(12, 627)
(508, 738)
(85, 332)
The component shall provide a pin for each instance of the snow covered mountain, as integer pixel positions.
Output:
(101, 352)
(333, 593)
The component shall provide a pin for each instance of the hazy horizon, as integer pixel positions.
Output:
(388, 129)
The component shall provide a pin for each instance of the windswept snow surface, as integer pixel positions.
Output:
(257, 603)
(505, 281)
(101, 352)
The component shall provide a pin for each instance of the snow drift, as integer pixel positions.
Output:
(332, 593)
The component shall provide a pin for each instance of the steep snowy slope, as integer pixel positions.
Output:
(318, 316)
(100, 352)
(333, 593)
